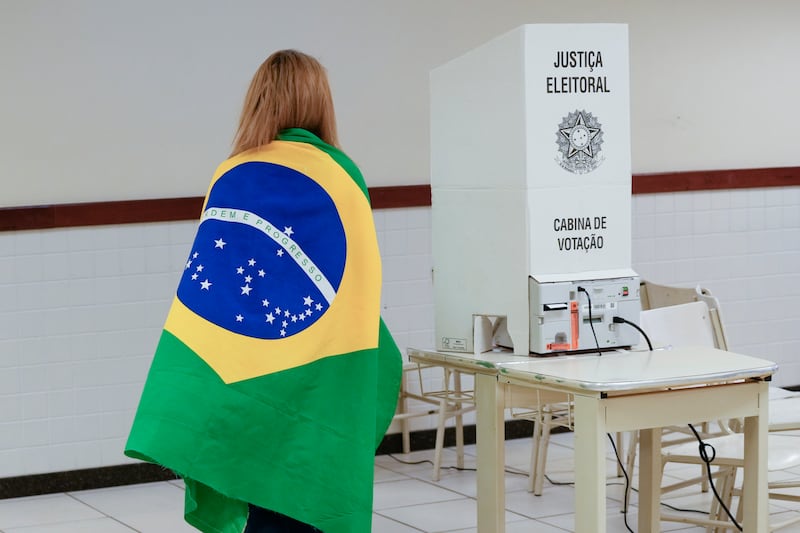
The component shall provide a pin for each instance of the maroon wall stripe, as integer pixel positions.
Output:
(705, 180)
(171, 209)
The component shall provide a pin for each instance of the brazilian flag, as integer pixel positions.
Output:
(275, 378)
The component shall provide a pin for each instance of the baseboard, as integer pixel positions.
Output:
(130, 474)
(85, 479)
(426, 439)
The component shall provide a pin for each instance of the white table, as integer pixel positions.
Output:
(620, 391)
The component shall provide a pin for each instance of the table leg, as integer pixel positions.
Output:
(590, 465)
(490, 402)
(459, 421)
(754, 485)
(649, 479)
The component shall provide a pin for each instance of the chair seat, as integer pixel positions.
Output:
(784, 414)
(777, 393)
(783, 451)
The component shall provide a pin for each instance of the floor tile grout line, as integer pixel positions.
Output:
(70, 495)
(394, 520)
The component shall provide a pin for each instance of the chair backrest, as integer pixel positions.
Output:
(653, 296)
(677, 316)
(682, 325)
(678, 325)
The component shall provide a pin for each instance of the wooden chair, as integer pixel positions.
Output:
(679, 316)
(783, 453)
(447, 401)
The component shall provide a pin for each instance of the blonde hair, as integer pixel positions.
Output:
(289, 90)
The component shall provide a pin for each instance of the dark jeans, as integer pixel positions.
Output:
(262, 520)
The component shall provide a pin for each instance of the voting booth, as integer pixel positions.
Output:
(531, 193)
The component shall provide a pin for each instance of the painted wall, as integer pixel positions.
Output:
(122, 100)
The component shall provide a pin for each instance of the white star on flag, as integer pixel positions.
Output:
(288, 230)
(286, 310)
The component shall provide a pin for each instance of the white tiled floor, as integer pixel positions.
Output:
(406, 500)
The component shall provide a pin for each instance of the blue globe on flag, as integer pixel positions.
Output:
(273, 263)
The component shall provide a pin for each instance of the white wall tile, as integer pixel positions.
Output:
(61, 430)
(773, 197)
(110, 452)
(11, 407)
(665, 203)
(11, 461)
(11, 433)
(81, 309)
(8, 242)
(720, 200)
(35, 432)
(701, 200)
(395, 243)
(738, 220)
(37, 459)
(720, 222)
(683, 202)
(643, 226)
(60, 403)
(756, 218)
(701, 221)
(664, 224)
(740, 198)
(10, 380)
(395, 219)
(27, 243)
(790, 216)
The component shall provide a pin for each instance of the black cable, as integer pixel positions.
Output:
(591, 322)
(567, 483)
(627, 482)
(557, 483)
(703, 446)
(620, 320)
(634, 489)
(698, 511)
(428, 461)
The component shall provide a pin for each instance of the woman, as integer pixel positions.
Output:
(275, 377)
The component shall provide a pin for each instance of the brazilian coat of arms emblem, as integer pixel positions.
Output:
(579, 139)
